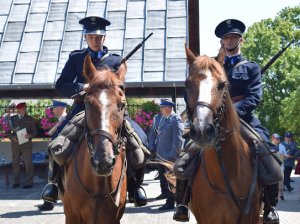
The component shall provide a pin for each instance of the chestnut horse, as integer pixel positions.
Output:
(94, 181)
(225, 189)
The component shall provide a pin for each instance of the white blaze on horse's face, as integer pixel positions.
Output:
(104, 124)
(205, 87)
(203, 114)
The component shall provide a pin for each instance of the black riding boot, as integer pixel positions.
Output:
(184, 169)
(46, 206)
(270, 215)
(181, 213)
(50, 191)
(136, 193)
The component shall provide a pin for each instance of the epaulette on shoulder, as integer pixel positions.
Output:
(77, 51)
(115, 55)
(175, 117)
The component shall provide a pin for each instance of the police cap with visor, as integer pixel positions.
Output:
(230, 26)
(94, 25)
(166, 103)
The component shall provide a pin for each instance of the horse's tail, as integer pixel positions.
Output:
(169, 166)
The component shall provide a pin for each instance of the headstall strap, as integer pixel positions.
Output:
(221, 133)
(116, 143)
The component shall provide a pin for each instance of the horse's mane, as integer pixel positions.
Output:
(105, 79)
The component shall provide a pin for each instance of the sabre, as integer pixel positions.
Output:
(135, 49)
(274, 58)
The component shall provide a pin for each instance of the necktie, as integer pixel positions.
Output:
(231, 61)
(96, 55)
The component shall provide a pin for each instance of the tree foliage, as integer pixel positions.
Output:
(279, 110)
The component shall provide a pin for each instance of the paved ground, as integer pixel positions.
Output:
(19, 206)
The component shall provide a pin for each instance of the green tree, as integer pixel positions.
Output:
(280, 108)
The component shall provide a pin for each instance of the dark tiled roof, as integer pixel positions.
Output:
(36, 37)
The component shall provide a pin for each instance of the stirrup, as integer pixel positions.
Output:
(51, 185)
(145, 198)
(273, 210)
(180, 219)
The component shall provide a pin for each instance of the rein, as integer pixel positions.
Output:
(97, 131)
(221, 136)
(98, 196)
(114, 195)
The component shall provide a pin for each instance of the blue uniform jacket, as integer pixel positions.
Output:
(140, 132)
(153, 132)
(246, 87)
(71, 80)
(246, 91)
(291, 149)
(169, 137)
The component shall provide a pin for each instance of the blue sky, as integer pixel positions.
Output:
(212, 12)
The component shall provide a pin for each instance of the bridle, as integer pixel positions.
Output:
(221, 133)
(221, 136)
(114, 194)
(98, 131)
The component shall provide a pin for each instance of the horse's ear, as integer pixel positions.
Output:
(190, 57)
(122, 71)
(221, 55)
(89, 70)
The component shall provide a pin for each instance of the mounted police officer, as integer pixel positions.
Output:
(72, 82)
(246, 92)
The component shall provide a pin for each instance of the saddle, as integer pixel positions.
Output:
(62, 146)
(269, 171)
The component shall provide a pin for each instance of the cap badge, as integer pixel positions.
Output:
(93, 19)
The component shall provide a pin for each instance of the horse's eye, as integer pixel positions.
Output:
(221, 85)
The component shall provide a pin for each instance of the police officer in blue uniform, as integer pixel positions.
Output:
(72, 82)
(246, 92)
(169, 144)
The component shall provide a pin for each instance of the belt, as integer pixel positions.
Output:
(237, 98)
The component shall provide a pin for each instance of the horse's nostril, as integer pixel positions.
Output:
(193, 131)
(210, 130)
(95, 162)
(113, 161)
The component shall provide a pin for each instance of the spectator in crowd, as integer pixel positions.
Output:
(9, 112)
(59, 110)
(21, 144)
(282, 152)
(297, 168)
(289, 162)
(169, 142)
